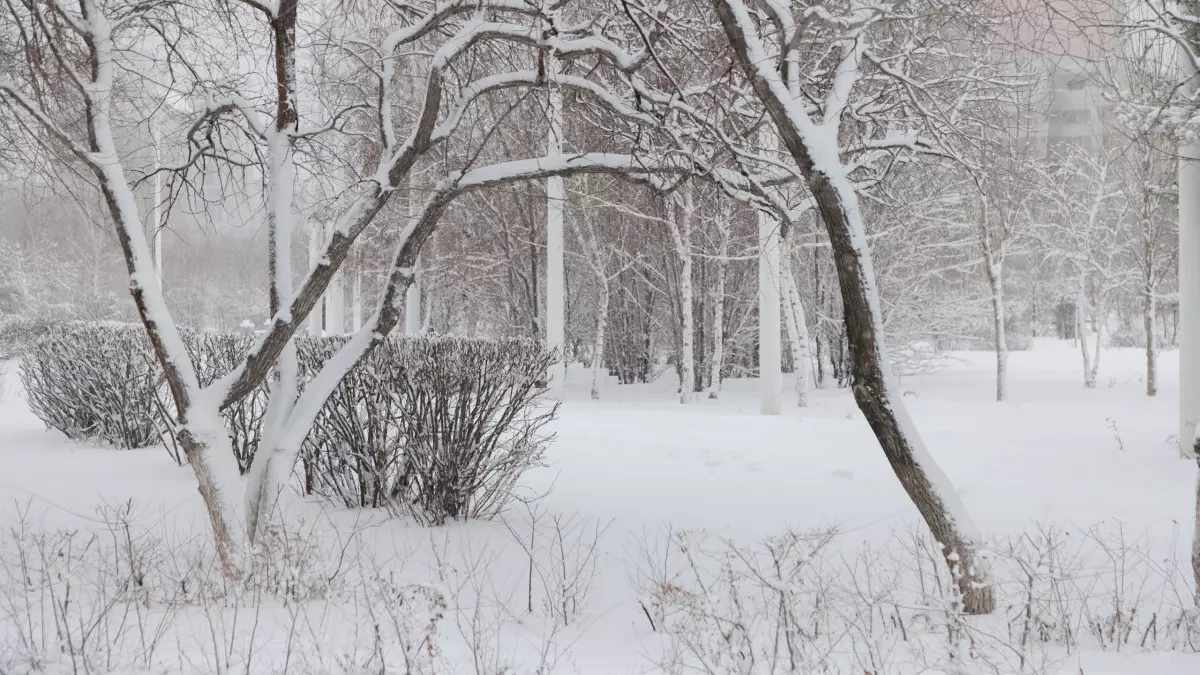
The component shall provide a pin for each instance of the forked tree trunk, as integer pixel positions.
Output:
(879, 400)
(207, 451)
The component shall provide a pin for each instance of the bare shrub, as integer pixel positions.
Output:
(439, 428)
(354, 452)
(93, 381)
(117, 597)
(799, 603)
(563, 553)
(473, 420)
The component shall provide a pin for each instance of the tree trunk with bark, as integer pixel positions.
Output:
(681, 234)
(797, 327)
(1149, 319)
(601, 327)
(877, 397)
(995, 275)
(718, 321)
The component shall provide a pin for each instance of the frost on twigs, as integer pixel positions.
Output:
(813, 603)
(434, 427)
(437, 428)
(94, 381)
(118, 596)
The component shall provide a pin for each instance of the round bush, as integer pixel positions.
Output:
(93, 381)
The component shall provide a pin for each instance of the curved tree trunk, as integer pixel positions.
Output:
(813, 146)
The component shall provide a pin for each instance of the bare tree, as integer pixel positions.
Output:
(768, 50)
(86, 45)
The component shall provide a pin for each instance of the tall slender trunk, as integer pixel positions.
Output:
(356, 307)
(1196, 540)
(556, 196)
(1081, 321)
(770, 362)
(1149, 319)
(681, 232)
(995, 275)
(412, 308)
(797, 327)
(598, 349)
(718, 321)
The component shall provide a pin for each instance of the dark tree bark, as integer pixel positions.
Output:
(877, 400)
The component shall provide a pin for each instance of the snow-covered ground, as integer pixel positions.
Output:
(632, 465)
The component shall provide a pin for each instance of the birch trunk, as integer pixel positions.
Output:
(995, 275)
(556, 195)
(1149, 309)
(335, 306)
(1081, 322)
(1189, 296)
(797, 326)
(681, 233)
(770, 361)
(412, 308)
(356, 308)
(598, 349)
(718, 321)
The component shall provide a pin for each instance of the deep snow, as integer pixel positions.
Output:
(1056, 452)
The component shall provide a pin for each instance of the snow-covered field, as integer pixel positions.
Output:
(1098, 467)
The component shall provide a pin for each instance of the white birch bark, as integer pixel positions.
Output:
(356, 307)
(335, 305)
(1189, 297)
(555, 264)
(412, 308)
(681, 224)
(1090, 364)
(155, 218)
(797, 327)
(601, 328)
(770, 357)
(718, 321)
(996, 284)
